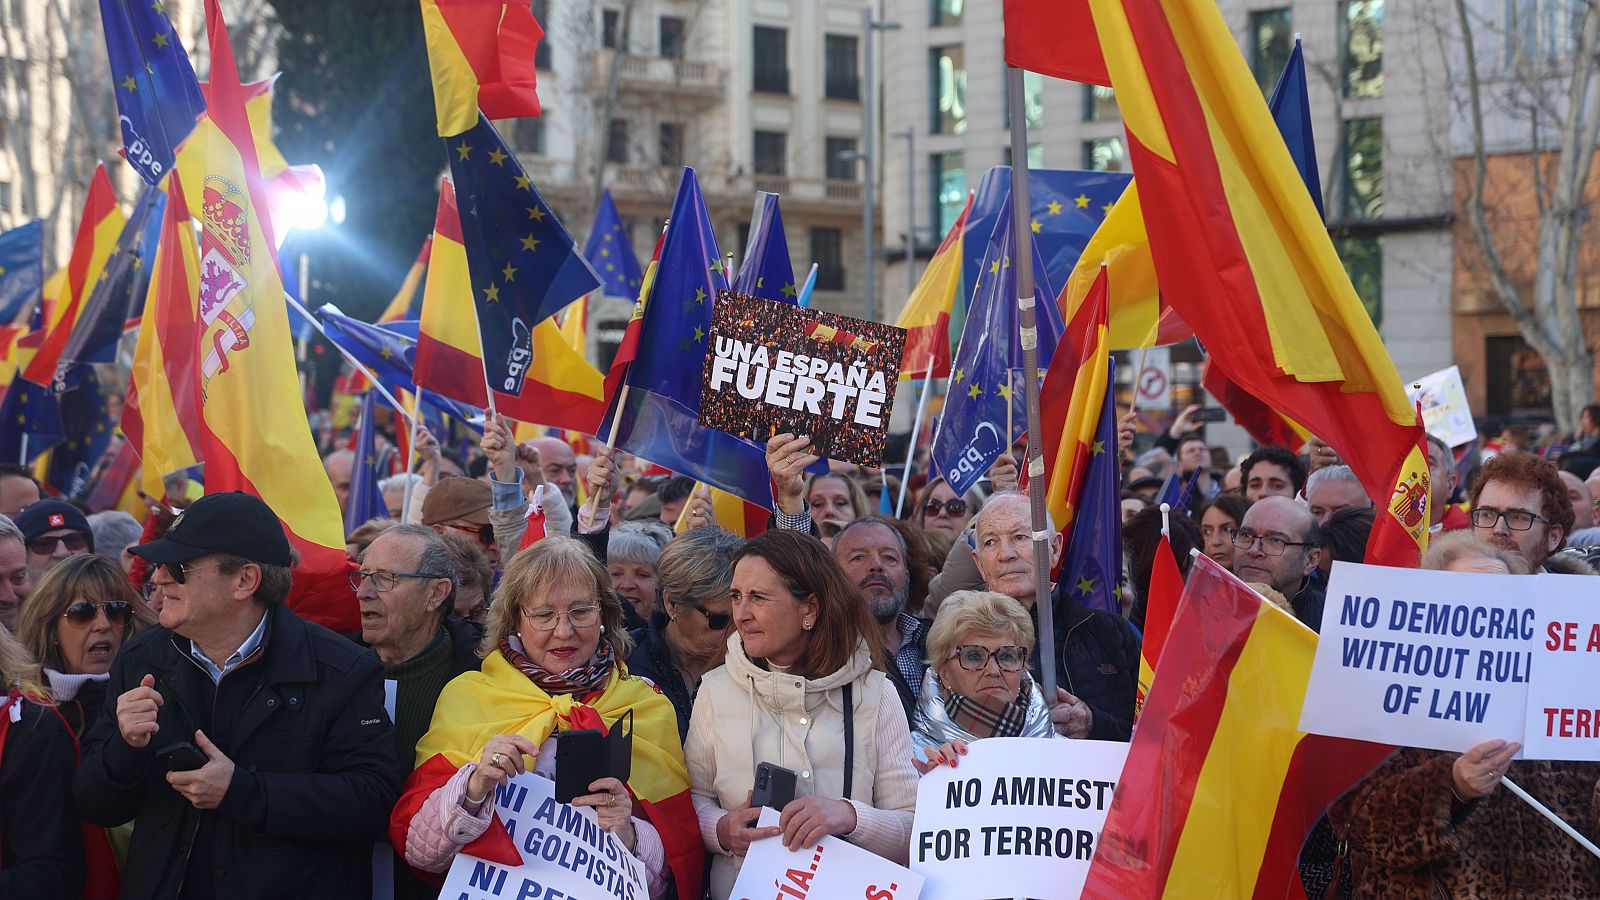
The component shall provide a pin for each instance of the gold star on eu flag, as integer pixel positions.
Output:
(464, 149)
(1055, 207)
(509, 273)
(530, 244)
(1085, 586)
(994, 267)
(497, 157)
(974, 391)
(960, 374)
(536, 214)
(491, 293)
(1098, 448)
(524, 182)
(1082, 200)
(160, 41)
(700, 296)
(129, 85)
(1035, 226)
(717, 267)
(699, 335)
(788, 289)
(1004, 391)
(1106, 210)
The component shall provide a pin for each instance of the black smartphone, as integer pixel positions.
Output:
(586, 755)
(182, 756)
(774, 787)
(1210, 414)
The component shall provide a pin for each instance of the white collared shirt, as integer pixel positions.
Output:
(250, 645)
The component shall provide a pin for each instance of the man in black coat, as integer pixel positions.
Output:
(251, 748)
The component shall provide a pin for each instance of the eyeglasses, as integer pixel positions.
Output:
(180, 571)
(955, 506)
(76, 542)
(714, 621)
(974, 658)
(544, 618)
(483, 534)
(384, 582)
(1271, 544)
(1516, 519)
(82, 612)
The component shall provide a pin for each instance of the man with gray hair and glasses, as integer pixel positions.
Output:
(1278, 544)
(15, 582)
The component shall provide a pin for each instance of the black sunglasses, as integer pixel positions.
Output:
(714, 621)
(76, 542)
(118, 612)
(955, 506)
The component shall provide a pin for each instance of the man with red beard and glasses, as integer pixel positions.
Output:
(1519, 503)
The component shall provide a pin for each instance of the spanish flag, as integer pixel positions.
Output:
(501, 700)
(1230, 220)
(732, 513)
(1070, 404)
(245, 355)
(1161, 604)
(1037, 39)
(399, 308)
(561, 388)
(926, 316)
(1221, 786)
(161, 415)
(481, 54)
(97, 235)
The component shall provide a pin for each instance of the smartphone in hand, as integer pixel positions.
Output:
(774, 787)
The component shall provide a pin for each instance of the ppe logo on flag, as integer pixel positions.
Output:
(520, 357)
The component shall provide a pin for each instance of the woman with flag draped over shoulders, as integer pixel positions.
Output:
(553, 653)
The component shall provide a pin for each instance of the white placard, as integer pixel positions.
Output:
(1153, 390)
(1563, 710)
(565, 854)
(831, 869)
(1017, 817)
(1445, 413)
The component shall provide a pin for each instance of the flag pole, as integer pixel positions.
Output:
(1138, 375)
(359, 367)
(411, 453)
(916, 429)
(1020, 216)
(1555, 820)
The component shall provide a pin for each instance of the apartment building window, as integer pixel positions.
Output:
(841, 164)
(770, 152)
(610, 28)
(528, 134)
(770, 47)
(1363, 48)
(949, 186)
(541, 14)
(1099, 104)
(617, 142)
(671, 31)
(669, 144)
(840, 81)
(1546, 28)
(1032, 98)
(1035, 156)
(827, 251)
(949, 89)
(1271, 39)
(1362, 152)
(1363, 261)
(1105, 155)
(947, 12)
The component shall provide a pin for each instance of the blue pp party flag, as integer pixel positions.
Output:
(31, 415)
(523, 264)
(610, 251)
(1291, 110)
(365, 500)
(158, 98)
(87, 427)
(1092, 568)
(390, 352)
(21, 268)
(1181, 492)
(766, 271)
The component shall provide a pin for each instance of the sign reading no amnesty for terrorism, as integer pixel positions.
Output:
(775, 367)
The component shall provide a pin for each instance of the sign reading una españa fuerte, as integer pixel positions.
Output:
(774, 368)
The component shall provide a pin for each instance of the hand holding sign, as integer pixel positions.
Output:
(501, 761)
(1477, 772)
(810, 819)
(787, 458)
(825, 869)
(736, 829)
(1071, 716)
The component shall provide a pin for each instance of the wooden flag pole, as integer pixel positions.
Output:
(911, 445)
(1020, 218)
(411, 454)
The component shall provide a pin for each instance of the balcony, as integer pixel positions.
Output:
(815, 196)
(688, 79)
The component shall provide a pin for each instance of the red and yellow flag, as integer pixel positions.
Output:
(399, 308)
(1221, 786)
(1230, 220)
(926, 316)
(562, 388)
(1070, 400)
(1161, 604)
(161, 415)
(1399, 538)
(245, 354)
(1135, 313)
(481, 54)
(97, 235)
(1037, 40)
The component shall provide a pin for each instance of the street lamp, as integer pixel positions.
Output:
(868, 145)
(910, 134)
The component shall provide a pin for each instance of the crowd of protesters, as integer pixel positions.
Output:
(173, 729)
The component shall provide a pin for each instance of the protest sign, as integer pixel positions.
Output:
(1422, 658)
(565, 853)
(831, 869)
(774, 367)
(1019, 817)
(1563, 712)
(1443, 400)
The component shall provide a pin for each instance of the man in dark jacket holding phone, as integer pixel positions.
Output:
(251, 748)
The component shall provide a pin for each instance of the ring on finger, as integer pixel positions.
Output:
(611, 800)
(497, 761)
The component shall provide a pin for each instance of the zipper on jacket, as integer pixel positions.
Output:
(1066, 669)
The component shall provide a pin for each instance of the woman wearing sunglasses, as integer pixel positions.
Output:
(977, 685)
(74, 623)
(939, 509)
(688, 631)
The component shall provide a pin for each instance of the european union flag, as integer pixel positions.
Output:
(766, 271)
(32, 419)
(88, 429)
(1067, 206)
(524, 265)
(986, 375)
(610, 251)
(21, 268)
(661, 417)
(1092, 568)
(365, 501)
(1181, 491)
(1291, 110)
(390, 352)
(119, 295)
(157, 94)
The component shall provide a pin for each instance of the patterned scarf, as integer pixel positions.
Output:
(577, 680)
(984, 717)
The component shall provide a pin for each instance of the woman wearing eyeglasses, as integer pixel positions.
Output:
(688, 631)
(803, 689)
(977, 684)
(552, 652)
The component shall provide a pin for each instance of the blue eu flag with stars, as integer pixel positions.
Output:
(524, 265)
(390, 352)
(365, 501)
(1091, 571)
(120, 293)
(31, 420)
(158, 98)
(610, 251)
(766, 271)
(21, 268)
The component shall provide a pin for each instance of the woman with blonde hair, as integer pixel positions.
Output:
(552, 650)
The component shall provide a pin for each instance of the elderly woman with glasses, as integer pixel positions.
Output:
(977, 685)
(552, 653)
(688, 632)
